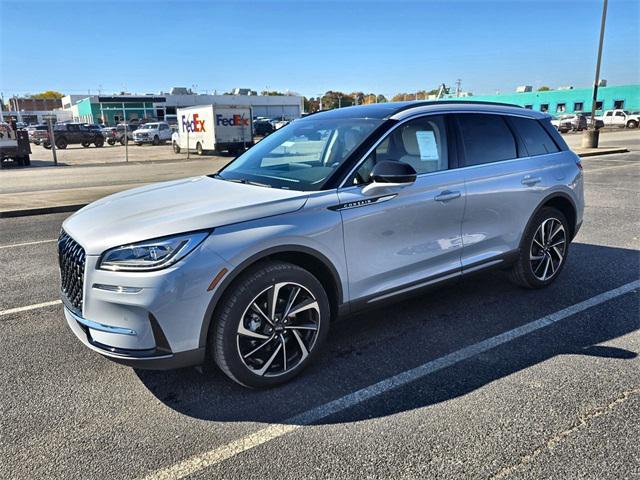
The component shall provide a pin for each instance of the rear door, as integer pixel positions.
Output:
(401, 237)
(504, 181)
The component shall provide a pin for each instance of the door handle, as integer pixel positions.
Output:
(530, 181)
(447, 195)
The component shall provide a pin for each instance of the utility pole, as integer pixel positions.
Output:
(591, 136)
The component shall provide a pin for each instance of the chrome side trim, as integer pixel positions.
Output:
(482, 266)
(362, 203)
(101, 327)
(413, 287)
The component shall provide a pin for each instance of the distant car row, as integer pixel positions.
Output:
(578, 121)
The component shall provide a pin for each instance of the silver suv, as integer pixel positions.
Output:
(336, 212)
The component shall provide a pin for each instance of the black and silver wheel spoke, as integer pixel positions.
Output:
(278, 329)
(547, 249)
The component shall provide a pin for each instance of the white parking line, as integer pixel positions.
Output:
(29, 307)
(26, 243)
(217, 455)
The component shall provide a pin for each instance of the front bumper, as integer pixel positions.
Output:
(149, 319)
(158, 358)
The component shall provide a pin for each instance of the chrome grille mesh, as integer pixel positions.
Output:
(71, 258)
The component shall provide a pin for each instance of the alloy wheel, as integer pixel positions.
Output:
(548, 249)
(278, 329)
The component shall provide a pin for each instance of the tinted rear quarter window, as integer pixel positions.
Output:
(486, 138)
(536, 140)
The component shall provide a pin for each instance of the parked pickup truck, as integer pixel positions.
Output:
(74, 133)
(154, 133)
(619, 118)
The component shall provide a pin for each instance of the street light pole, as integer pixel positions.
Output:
(590, 137)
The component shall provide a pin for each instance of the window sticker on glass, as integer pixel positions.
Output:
(427, 145)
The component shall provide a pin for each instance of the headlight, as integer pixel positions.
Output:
(151, 254)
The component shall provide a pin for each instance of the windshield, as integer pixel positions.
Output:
(301, 155)
(149, 126)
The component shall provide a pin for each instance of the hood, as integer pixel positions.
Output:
(174, 207)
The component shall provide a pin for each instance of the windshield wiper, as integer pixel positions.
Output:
(241, 180)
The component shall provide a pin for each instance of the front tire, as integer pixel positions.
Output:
(176, 148)
(270, 324)
(156, 140)
(543, 250)
(632, 124)
(199, 149)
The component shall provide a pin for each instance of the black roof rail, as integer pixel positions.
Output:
(453, 102)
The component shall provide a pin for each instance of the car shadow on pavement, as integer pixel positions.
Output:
(367, 348)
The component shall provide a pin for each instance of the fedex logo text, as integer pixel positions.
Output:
(235, 120)
(194, 125)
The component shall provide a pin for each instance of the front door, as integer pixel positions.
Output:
(399, 238)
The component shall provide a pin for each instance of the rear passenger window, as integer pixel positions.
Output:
(535, 138)
(486, 139)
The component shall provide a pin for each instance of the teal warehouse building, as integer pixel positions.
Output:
(570, 100)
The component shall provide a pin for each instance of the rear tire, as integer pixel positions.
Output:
(632, 124)
(176, 148)
(85, 144)
(99, 143)
(543, 250)
(111, 142)
(199, 149)
(239, 330)
(61, 143)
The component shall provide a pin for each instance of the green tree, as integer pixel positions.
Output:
(48, 95)
(272, 93)
(544, 88)
(331, 100)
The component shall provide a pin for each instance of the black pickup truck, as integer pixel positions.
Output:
(74, 133)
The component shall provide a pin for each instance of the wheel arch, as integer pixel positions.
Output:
(560, 201)
(309, 259)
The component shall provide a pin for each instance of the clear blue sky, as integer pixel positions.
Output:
(310, 47)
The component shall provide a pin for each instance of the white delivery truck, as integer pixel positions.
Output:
(213, 127)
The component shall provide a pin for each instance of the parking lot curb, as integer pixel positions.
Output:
(41, 211)
(604, 151)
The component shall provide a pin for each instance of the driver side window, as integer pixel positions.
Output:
(421, 143)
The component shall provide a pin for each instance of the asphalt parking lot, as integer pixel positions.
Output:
(478, 379)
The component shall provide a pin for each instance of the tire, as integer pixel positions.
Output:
(176, 148)
(632, 124)
(61, 143)
(199, 149)
(156, 140)
(111, 142)
(532, 269)
(139, 144)
(233, 342)
(47, 145)
(99, 143)
(123, 140)
(85, 144)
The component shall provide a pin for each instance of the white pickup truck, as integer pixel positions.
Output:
(619, 118)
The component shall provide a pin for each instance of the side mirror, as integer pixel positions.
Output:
(390, 174)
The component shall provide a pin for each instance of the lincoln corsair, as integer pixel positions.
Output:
(339, 211)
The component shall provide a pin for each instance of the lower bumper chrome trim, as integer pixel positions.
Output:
(101, 327)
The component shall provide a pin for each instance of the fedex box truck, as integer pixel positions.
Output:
(213, 128)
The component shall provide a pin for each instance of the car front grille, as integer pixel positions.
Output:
(71, 257)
